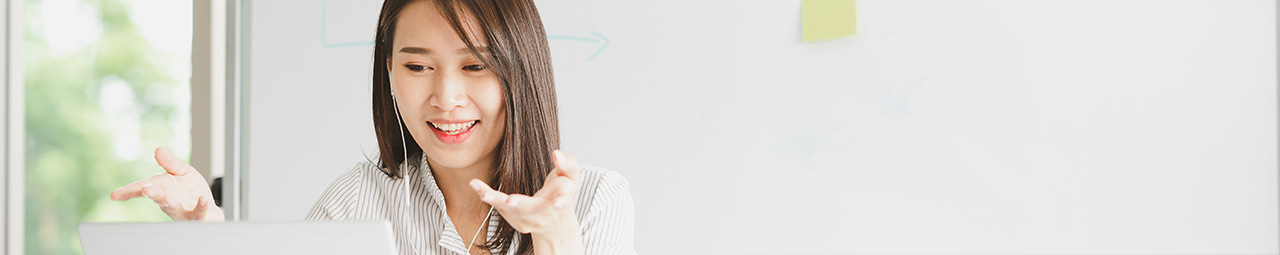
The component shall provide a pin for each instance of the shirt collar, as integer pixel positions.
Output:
(448, 234)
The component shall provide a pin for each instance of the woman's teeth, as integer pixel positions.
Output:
(453, 128)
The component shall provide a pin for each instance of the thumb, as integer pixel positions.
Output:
(171, 164)
(567, 164)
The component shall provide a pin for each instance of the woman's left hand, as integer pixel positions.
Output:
(549, 213)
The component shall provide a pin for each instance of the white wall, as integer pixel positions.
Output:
(958, 127)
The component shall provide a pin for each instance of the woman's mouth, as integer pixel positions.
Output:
(452, 133)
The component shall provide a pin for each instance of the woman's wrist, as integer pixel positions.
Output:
(564, 239)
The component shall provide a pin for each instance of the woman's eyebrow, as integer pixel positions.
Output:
(416, 50)
(480, 49)
(426, 51)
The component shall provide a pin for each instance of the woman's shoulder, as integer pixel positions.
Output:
(360, 174)
(366, 170)
(600, 183)
(595, 177)
(345, 191)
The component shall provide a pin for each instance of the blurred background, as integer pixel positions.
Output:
(940, 127)
(107, 81)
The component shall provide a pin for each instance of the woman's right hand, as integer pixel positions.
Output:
(181, 191)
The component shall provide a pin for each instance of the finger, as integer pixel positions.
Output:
(172, 208)
(523, 203)
(202, 207)
(553, 187)
(487, 194)
(567, 188)
(152, 191)
(556, 158)
(507, 202)
(129, 191)
(171, 164)
(567, 164)
(561, 192)
(560, 203)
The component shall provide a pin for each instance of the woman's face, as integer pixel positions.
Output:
(450, 101)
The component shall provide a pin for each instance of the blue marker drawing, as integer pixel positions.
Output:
(585, 39)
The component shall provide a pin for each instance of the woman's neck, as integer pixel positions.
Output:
(453, 182)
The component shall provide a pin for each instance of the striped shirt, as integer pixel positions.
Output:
(606, 213)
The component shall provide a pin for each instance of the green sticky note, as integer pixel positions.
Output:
(827, 19)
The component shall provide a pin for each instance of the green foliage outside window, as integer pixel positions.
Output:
(75, 155)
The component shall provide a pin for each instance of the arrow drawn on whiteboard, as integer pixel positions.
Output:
(599, 38)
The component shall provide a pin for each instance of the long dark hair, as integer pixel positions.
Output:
(521, 58)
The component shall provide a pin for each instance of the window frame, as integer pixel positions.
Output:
(13, 129)
(216, 102)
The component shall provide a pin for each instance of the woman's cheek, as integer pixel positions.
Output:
(496, 108)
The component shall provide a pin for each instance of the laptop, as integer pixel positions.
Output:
(312, 237)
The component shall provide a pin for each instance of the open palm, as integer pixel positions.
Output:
(181, 191)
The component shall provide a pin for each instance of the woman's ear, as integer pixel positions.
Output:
(388, 68)
(390, 86)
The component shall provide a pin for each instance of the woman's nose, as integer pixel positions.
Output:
(450, 92)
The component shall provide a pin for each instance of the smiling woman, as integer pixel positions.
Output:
(473, 84)
(436, 63)
(463, 99)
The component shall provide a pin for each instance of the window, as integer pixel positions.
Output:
(105, 83)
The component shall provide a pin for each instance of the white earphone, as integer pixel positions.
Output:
(405, 173)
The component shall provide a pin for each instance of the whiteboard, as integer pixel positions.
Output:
(942, 127)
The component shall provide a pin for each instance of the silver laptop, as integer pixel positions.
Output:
(371, 237)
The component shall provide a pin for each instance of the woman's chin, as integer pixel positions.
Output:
(453, 160)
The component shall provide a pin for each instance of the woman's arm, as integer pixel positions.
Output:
(609, 225)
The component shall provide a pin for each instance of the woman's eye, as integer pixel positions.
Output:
(416, 68)
(473, 68)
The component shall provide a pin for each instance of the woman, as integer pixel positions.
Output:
(470, 83)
